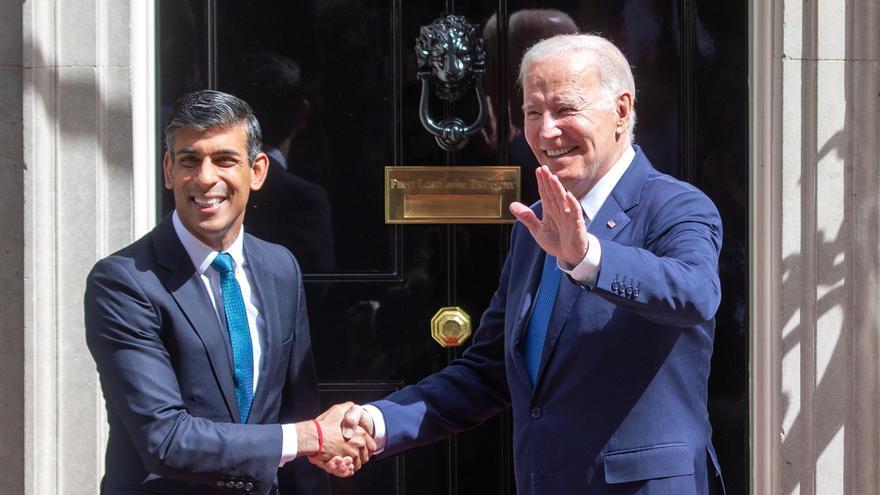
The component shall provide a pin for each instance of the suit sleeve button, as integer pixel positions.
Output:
(239, 485)
(536, 412)
(230, 484)
(221, 483)
(248, 487)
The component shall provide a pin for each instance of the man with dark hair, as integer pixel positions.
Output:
(200, 333)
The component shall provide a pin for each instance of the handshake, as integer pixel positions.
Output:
(339, 441)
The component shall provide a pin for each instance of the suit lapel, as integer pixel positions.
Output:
(534, 261)
(184, 284)
(265, 284)
(610, 220)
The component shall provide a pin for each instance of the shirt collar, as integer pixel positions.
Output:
(277, 155)
(200, 253)
(595, 197)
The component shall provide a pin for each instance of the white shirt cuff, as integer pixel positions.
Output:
(379, 433)
(288, 444)
(587, 271)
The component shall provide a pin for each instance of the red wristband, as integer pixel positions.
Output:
(320, 438)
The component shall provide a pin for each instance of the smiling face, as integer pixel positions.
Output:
(211, 180)
(571, 124)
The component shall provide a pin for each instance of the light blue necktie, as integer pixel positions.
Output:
(537, 329)
(239, 334)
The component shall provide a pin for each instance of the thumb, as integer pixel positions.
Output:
(525, 215)
(366, 422)
(352, 418)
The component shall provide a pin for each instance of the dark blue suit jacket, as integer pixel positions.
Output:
(619, 406)
(166, 370)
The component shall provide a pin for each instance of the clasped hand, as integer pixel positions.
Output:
(348, 440)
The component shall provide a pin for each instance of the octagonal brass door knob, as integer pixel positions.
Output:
(451, 326)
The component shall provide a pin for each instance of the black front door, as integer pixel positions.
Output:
(373, 288)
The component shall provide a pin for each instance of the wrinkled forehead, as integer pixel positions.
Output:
(560, 75)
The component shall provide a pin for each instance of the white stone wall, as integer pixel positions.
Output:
(828, 169)
(77, 182)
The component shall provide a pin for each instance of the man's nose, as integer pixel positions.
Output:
(207, 174)
(549, 129)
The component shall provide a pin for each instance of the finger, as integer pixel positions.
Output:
(336, 466)
(371, 444)
(555, 192)
(365, 455)
(525, 215)
(349, 465)
(543, 191)
(359, 440)
(561, 193)
(574, 208)
(343, 471)
(548, 196)
(344, 464)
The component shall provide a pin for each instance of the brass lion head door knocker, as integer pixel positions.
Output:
(450, 54)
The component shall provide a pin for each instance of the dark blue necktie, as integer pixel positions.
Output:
(537, 329)
(239, 334)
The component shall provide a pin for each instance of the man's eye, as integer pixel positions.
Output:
(226, 162)
(566, 110)
(188, 161)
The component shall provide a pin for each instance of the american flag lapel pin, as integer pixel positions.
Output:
(611, 224)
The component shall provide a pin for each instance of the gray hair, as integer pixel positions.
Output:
(615, 74)
(207, 109)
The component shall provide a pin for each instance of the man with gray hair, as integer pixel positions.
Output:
(600, 333)
(200, 334)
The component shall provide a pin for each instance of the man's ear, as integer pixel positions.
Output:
(624, 112)
(167, 163)
(259, 169)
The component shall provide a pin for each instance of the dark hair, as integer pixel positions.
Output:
(273, 86)
(208, 109)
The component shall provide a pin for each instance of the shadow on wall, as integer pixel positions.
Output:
(827, 386)
(824, 389)
(83, 100)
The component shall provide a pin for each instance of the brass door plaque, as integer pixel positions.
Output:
(450, 194)
(451, 326)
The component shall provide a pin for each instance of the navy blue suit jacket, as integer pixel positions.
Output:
(166, 371)
(619, 404)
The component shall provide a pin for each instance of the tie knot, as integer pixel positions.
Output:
(222, 263)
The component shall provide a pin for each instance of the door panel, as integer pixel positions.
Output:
(372, 295)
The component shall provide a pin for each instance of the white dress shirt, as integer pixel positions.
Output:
(586, 272)
(202, 256)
